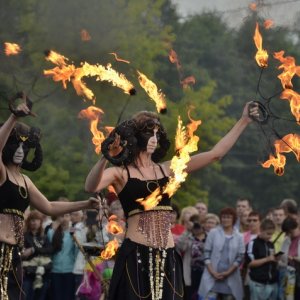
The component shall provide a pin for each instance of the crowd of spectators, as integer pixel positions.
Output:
(236, 254)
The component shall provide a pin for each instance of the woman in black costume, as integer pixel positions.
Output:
(147, 265)
(17, 191)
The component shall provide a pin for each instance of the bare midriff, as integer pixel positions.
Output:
(134, 233)
(7, 233)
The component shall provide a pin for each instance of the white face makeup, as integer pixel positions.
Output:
(19, 155)
(152, 142)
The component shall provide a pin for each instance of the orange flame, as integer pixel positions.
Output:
(186, 142)
(268, 23)
(119, 59)
(261, 56)
(110, 249)
(93, 114)
(151, 89)
(253, 6)
(68, 72)
(113, 227)
(288, 64)
(11, 49)
(294, 99)
(190, 80)
(84, 35)
(289, 143)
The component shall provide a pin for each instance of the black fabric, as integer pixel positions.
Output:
(136, 188)
(11, 198)
(266, 273)
(121, 284)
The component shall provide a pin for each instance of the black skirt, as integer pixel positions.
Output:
(131, 275)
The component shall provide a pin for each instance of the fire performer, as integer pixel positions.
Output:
(147, 265)
(17, 191)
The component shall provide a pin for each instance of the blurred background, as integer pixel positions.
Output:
(214, 44)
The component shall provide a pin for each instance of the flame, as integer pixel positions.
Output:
(69, 73)
(151, 89)
(268, 23)
(113, 227)
(253, 6)
(150, 201)
(187, 81)
(84, 35)
(11, 49)
(186, 142)
(93, 114)
(110, 249)
(174, 58)
(294, 99)
(288, 64)
(119, 59)
(261, 56)
(289, 143)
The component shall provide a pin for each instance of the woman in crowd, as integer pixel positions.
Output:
(223, 254)
(63, 259)
(36, 257)
(211, 221)
(291, 250)
(17, 191)
(147, 265)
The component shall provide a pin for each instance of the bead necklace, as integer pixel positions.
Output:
(152, 185)
(22, 190)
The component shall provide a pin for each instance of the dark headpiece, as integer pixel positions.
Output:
(134, 135)
(30, 136)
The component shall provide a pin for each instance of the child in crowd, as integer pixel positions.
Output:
(262, 263)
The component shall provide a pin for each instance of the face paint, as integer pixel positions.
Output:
(152, 141)
(147, 133)
(19, 155)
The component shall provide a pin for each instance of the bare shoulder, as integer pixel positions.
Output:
(166, 167)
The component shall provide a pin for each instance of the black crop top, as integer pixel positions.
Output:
(135, 189)
(11, 201)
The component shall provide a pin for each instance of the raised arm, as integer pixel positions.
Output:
(201, 160)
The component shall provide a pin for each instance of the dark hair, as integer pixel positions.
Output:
(57, 240)
(255, 214)
(290, 206)
(267, 224)
(289, 224)
(176, 210)
(134, 140)
(195, 219)
(229, 211)
(31, 137)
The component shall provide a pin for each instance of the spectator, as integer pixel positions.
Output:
(254, 220)
(262, 264)
(211, 221)
(244, 225)
(36, 258)
(79, 231)
(185, 215)
(176, 228)
(291, 250)
(278, 236)
(242, 205)
(64, 253)
(191, 245)
(202, 209)
(291, 208)
(223, 254)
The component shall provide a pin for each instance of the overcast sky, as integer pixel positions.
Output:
(282, 12)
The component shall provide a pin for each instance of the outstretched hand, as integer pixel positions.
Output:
(93, 203)
(251, 111)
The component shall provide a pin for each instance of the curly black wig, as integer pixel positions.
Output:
(134, 135)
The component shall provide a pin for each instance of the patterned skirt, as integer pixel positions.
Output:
(142, 272)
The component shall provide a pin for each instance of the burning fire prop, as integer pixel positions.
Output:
(151, 89)
(65, 72)
(289, 142)
(11, 49)
(185, 143)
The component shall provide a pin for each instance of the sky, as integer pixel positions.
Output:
(282, 12)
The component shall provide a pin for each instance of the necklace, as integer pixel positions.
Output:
(22, 190)
(152, 185)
